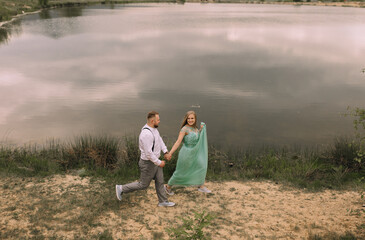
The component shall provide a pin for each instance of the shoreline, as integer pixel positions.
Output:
(18, 16)
(80, 3)
(109, 156)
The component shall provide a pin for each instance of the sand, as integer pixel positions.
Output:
(68, 207)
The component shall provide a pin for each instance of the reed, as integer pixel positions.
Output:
(94, 151)
(307, 168)
(27, 161)
(117, 159)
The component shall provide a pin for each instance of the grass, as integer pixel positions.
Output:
(334, 167)
(8, 8)
(192, 227)
(94, 152)
(117, 158)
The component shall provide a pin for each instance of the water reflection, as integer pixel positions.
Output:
(10, 29)
(58, 23)
(4, 35)
(71, 12)
(45, 14)
(67, 12)
(283, 79)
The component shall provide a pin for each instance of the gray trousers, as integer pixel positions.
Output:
(149, 172)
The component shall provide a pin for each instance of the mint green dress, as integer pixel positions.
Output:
(192, 162)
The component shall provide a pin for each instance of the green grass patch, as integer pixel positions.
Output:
(191, 227)
(334, 167)
(116, 160)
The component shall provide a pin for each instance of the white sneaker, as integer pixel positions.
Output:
(119, 191)
(204, 190)
(168, 191)
(166, 204)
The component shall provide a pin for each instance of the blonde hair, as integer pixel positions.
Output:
(185, 120)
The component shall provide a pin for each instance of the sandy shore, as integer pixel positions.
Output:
(69, 206)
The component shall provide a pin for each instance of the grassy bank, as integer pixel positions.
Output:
(116, 159)
(11, 8)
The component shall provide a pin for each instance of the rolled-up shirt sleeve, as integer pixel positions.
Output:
(146, 143)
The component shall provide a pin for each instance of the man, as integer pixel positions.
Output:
(151, 145)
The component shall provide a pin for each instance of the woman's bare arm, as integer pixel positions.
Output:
(177, 143)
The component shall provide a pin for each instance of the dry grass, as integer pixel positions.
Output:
(68, 207)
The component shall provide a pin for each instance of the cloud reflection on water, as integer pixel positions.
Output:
(257, 82)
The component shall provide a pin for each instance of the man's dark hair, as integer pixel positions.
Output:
(152, 114)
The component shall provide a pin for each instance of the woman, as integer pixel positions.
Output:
(192, 163)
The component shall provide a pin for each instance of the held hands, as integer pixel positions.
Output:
(167, 156)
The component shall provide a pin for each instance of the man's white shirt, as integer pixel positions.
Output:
(146, 143)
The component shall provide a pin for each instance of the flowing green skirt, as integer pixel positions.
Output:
(192, 163)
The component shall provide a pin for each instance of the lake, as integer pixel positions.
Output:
(255, 74)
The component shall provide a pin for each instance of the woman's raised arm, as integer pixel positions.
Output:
(202, 124)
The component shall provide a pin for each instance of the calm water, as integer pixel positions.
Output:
(261, 74)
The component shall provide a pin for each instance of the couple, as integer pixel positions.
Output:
(191, 165)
